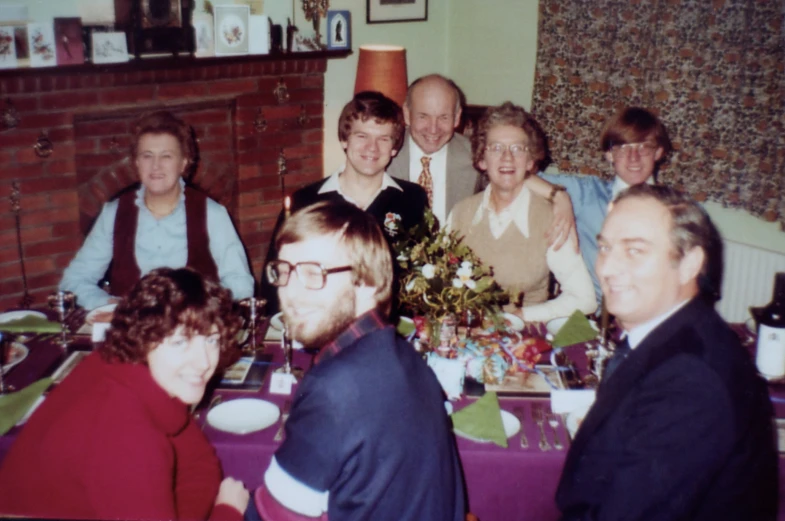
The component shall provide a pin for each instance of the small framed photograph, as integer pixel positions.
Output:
(339, 27)
(7, 48)
(389, 11)
(231, 29)
(68, 41)
(204, 41)
(41, 42)
(109, 47)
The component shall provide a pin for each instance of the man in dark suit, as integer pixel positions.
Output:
(370, 129)
(368, 436)
(682, 426)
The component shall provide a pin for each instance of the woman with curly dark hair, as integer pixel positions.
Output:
(115, 439)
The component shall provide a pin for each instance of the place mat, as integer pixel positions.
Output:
(576, 330)
(482, 420)
(14, 406)
(30, 324)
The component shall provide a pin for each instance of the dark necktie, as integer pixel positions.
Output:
(619, 354)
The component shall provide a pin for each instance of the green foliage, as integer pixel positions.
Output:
(440, 275)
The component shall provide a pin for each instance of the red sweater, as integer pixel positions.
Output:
(109, 443)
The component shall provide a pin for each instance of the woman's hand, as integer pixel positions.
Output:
(563, 224)
(233, 493)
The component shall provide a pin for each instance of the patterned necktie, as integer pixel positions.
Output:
(425, 180)
(619, 354)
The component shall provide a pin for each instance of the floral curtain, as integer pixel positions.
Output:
(713, 70)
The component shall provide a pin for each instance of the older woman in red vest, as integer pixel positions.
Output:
(164, 223)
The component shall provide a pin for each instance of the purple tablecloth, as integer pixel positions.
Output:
(502, 484)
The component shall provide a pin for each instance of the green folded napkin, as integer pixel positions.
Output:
(405, 327)
(30, 324)
(15, 405)
(577, 329)
(482, 420)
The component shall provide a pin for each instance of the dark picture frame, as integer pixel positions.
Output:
(395, 11)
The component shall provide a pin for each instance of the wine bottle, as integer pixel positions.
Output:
(770, 357)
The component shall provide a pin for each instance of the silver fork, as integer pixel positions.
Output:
(284, 416)
(518, 412)
(539, 419)
(553, 421)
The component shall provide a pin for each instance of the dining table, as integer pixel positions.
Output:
(502, 483)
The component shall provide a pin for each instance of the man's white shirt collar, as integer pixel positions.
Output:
(517, 212)
(333, 185)
(619, 185)
(636, 335)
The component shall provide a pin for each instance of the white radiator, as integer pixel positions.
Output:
(748, 279)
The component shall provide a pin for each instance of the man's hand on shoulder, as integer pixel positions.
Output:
(563, 226)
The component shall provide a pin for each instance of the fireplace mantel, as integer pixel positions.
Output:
(246, 112)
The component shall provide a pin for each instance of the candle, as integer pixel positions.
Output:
(287, 207)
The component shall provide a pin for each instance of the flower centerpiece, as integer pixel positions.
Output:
(442, 277)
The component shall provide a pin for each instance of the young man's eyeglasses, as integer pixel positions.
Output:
(498, 149)
(312, 275)
(643, 149)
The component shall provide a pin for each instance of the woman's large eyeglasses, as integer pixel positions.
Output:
(498, 149)
(312, 275)
(643, 149)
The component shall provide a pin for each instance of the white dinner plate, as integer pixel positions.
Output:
(513, 322)
(17, 353)
(511, 427)
(16, 315)
(90, 318)
(277, 322)
(243, 415)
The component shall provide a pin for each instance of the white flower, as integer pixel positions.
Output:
(470, 284)
(428, 271)
(464, 273)
(402, 257)
(457, 283)
(467, 265)
(410, 285)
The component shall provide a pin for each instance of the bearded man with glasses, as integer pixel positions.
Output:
(635, 143)
(368, 436)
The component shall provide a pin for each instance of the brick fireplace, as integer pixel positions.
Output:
(244, 111)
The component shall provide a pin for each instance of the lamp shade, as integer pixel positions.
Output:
(382, 68)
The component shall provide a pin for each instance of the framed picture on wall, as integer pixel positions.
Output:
(231, 29)
(389, 11)
(339, 28)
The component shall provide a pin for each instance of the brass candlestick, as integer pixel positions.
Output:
(254, 307)
(63, 303)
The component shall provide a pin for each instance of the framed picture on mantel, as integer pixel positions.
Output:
(388, 11)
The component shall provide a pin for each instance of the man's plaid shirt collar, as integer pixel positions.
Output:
(365, 324)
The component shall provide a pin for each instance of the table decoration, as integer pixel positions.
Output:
(442, 280)
(253, 307)
(15, 405)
